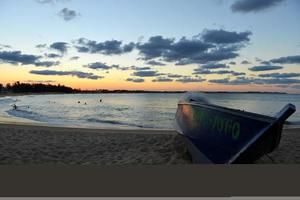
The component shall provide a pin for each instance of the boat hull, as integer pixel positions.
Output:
(221, 135)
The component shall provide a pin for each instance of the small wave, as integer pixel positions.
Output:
(6, 100)
(114, 122)
(121, 109)
(27, 115)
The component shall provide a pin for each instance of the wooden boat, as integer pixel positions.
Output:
(221, 135)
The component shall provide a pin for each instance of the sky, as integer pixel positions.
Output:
(196, 45)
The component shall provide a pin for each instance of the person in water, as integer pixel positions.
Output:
(15, 107)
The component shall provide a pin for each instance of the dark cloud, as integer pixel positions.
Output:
(62, 47)
(52, 55)
(41, 46)
(174, 75)
(153, 62)
(279, 75)
(257, 81)
(68, 14)
(77, 74)
(190, 80)
(74, 58)
(110, 47)
(184, 51)
(162, 79)
(264, 68)
(245, 6)
(16, 57)
(276, 81)
(225, 37)
(100, 65)
(265, 63)
(245, 62)
(155, 47)
(139, 68)
(221, 72)
(136, 80)
(146, 73)
(220, 81)
(215, 55)
(287, 60)
(214, 66)
(46, 63)
(237, 81)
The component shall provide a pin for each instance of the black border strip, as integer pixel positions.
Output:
(150, 181)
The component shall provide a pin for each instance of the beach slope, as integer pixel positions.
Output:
(44, 145)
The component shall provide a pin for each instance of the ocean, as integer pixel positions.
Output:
(142, 110)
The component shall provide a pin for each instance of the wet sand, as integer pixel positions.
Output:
(45, 145)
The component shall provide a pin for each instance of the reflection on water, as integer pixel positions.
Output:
(131, 110)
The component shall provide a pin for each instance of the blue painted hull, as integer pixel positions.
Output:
(221, 135)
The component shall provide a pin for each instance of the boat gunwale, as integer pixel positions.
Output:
(232, 111)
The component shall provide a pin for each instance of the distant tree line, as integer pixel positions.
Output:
(18, 87)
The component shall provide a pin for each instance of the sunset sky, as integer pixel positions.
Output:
(205, 45)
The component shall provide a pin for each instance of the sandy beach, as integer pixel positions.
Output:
(32, 144)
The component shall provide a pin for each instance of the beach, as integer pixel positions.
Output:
(34, 144)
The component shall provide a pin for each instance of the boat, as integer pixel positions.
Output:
(221, 135)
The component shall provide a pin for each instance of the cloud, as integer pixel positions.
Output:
(16, 57)
(214, 55)
(46, 63)
(148, 73)
(257, 81)
(245, 62)
(276, 81)
(264, 68)
(40, 81)
(153, 62)
(162, 79)
(236, 81)
(6, 46)
(62, 47)
(214, 66)
(77, 74)
(68, 14)
(51, 1)
(40, 46)
(74, 58)
(225, 37)
(190, 80)
(139, 68)
(221, 72)
(246, 6)
(174, 75)
(279, 75)
(287, 60)
(52, 55)
(195, 50)
(110, 47)
(222, 81)
(136, 80)
(101, 66)
(265, 63)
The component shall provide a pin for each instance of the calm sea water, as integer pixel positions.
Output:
(130, 110)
